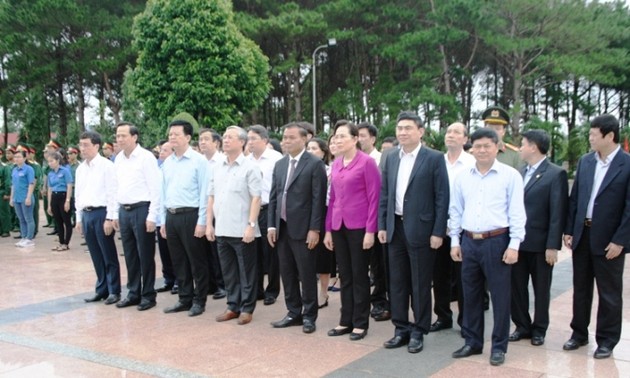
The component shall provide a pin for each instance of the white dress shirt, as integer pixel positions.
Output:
(96, 186)
(404, 174)
(376, 155)
(601, 168)
(139, 180)
(266, 162)
(486, 202)
(464, 161)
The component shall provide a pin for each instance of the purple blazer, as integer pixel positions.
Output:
(354, 194)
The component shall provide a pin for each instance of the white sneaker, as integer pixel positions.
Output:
(20, 243)
(28, 243)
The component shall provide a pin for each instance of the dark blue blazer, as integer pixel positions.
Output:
(425, 208)
(611, 212)
(546, 201)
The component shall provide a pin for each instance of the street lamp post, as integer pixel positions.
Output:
(331, 42)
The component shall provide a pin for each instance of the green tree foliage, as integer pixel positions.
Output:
(191, 57)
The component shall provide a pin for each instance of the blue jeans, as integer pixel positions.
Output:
(27, 222)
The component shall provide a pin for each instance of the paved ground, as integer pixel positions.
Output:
(46, 330)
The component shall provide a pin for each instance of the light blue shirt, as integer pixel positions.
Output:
(58, 180)
(184, 183)
(481, 203)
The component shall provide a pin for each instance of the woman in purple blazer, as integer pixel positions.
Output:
(351, 223)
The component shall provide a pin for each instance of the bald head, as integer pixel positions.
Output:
(456, 136)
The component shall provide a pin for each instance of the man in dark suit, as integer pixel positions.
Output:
(598, 231)
(413, 211)
(546, 197)
(296, 215)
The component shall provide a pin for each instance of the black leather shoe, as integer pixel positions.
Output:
(497, 358)
(145, 305)
(178, 307)
(309, 326)
(175, 290)
(440, 325)
(602, 352)
(573, 344)
(339, 332)
(466, 351)
(287, 321)
(127, 302)
(415, 346)
(269, 301)
(385, 315)
(219, 294)
(164, 288)
(518, 335)
(196, 310)
(538, 340)
(396, 342)
(53, 232)
(113, 298)
(355, 336)
(95, 298)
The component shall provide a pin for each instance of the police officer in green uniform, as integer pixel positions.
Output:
(497, 119)
(6, 223)
(8, 152)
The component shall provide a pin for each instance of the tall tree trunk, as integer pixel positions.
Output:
(80, 102)
(112, 101)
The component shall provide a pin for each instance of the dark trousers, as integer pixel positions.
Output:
(378, 268)
(298, 264)
(483, 262)
(353, 262)
(63, 219)
(139, 248)
(214, 266)
(267, 260)
(102, 251)
(457, 273)
(188, 257)
(531, 264)
(609, 277)
(6, 222)
(443, 282)
(168, 272)
(412, 281)
(238, 264)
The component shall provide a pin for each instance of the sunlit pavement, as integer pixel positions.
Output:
(47, 330)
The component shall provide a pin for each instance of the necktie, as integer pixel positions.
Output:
(283, 207)
(528, 174)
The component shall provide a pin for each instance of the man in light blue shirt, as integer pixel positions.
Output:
(183, 218)
(487, 210)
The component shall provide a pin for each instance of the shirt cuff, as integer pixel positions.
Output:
(514, 244)
(454, 241)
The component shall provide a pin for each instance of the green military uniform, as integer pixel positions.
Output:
(39, 174)
(6, 222)
(508, 154)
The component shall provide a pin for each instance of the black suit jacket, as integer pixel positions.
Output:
(546, 201)
(425, 208)
(306, 196)
(611, 212)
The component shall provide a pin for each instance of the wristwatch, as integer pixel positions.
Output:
(252, 224)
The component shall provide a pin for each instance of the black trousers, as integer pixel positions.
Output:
(139, 248)
(238, 264)
(188, 256)
(102, 251)
(63, 219)
(168, 272)
(531, 264)
(378, 268)
(608, 274)
(443, 282)
(267, 261)
(482, 261)
(298, 265)
(412, 270)
(353, 262)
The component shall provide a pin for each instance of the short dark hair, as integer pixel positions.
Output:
(298, 125)
(260, 130)
(389, 139)
(309, 127)
(408, 115)
(93, 136)
(538, 137)
(607, 123)
(186, 126)
(276, 144)
(484, 132)
(370, 128)
(133, 130)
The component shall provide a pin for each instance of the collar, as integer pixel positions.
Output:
(297, 157)
(414, 153)
(609, 158)
(535, 166)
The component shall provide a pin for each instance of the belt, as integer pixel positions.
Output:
(487, 234)
(588, 222)
(58, 193)
(92, 208)
(264, 207)
(180, 210)
(132, 206)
